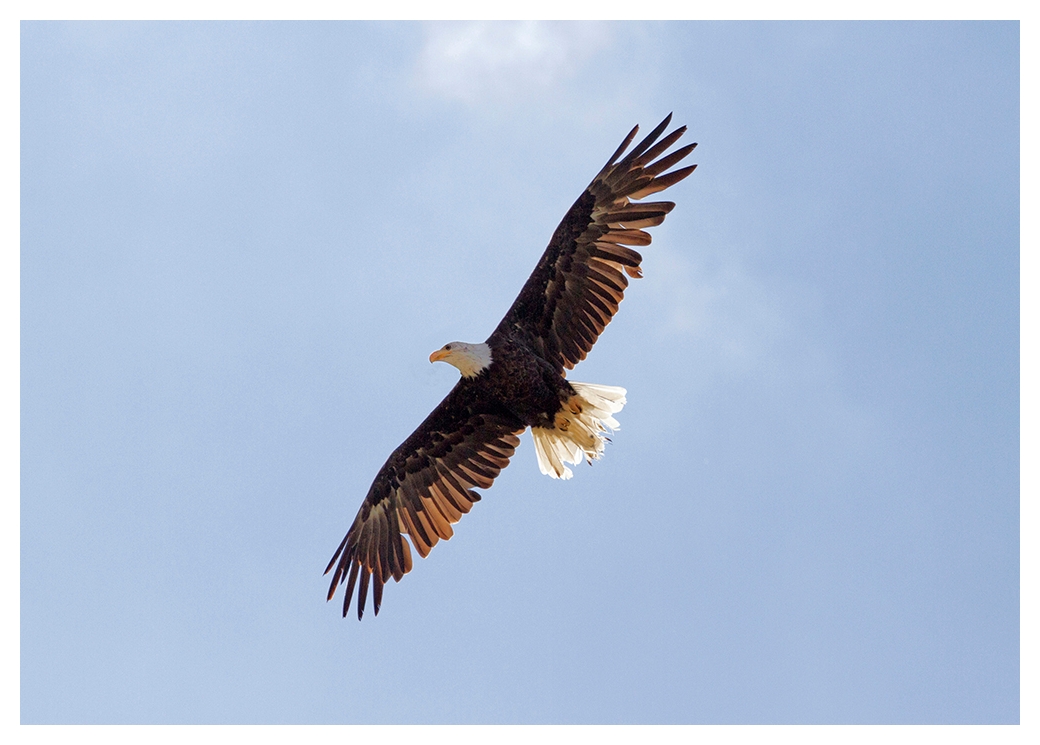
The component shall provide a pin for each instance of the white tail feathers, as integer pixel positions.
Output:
(580, 425)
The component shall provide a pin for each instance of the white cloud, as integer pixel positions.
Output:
(479, 60)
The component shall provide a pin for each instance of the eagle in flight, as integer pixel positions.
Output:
(517, 378)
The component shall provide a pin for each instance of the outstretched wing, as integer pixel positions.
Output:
(423, 488)
(579, 281)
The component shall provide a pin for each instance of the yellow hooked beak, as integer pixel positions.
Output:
(440, 355)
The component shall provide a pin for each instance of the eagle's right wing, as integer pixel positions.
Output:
(425, 485)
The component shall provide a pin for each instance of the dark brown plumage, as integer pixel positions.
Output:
(427, 483)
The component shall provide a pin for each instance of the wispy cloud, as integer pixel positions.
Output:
(474, 61)
(736, 315)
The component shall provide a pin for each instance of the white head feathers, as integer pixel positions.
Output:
(470, 359)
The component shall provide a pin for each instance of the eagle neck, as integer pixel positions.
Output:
(473, 360)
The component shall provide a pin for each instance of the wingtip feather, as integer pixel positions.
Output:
(622, 147)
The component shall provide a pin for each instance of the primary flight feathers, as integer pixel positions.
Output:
(515, 379)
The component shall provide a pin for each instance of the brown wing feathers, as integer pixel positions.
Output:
(579, 282)
(423, 489)
(614, 224)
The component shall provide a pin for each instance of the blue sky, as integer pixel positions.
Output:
(240, 242)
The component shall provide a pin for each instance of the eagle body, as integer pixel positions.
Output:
(518, 389)
(526, 383)
(516, 379)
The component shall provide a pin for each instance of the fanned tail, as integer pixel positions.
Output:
(580, 427)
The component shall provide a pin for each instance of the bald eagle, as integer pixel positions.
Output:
(516, 378)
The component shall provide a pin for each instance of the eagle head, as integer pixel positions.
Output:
(470, 359)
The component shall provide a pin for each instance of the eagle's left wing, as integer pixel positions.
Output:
(579, 281)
